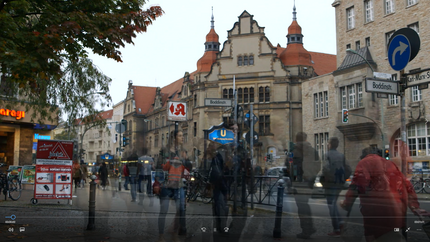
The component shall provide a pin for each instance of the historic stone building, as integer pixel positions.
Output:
(268, 77)
(365, 27)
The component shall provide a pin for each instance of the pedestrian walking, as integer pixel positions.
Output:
(173, 188)
(84, 170)
(126, 175)
(77, 173)
(103, 175)
(219, 187)
(148, 167)
(333, 180)
(308, 165)
(385, 194)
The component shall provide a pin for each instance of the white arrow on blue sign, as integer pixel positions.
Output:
(399, 52)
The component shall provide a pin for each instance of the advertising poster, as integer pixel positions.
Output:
(28, 174)
(53, 182)
(16, 170)
(54, 152)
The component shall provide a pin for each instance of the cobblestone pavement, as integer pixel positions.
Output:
(53, 221)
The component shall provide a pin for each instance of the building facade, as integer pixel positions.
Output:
(266, 76)
(365, 28)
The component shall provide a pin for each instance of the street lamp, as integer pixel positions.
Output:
(380, 101)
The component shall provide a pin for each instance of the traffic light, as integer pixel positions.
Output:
(116, 138)
(269, 157)
(199, 152)
(125, 141)
(124, 122)
(387, 154)
(345, 116)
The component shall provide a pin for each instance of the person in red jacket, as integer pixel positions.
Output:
(126, 175)
(173, 188)
(384, 192)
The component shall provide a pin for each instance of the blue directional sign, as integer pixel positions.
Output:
(222, 136)
(399, 52)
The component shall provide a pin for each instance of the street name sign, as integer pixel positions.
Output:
(381, 75)
(389, 87)
(418, 78)
(219, 102)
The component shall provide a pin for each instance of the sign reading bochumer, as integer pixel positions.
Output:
(219, 102)
(390, 87)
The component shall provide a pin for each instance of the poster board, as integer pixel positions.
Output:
(15, 170)
(28, 175)
(53, 175)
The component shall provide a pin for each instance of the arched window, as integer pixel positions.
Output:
(245, 60)
(251, 60)
(224, 93)
(245, 95)
(230, 93)
(239, 60)
(267, 94)
(239, 95)
(261, 94)
(251, 94)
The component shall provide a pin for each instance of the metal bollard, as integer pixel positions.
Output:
(92, 204)
(279, 205)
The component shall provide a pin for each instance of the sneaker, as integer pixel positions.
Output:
(334, 234)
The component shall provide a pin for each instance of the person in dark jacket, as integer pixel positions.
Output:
(103, 175)
(332, 167)
(308, 165)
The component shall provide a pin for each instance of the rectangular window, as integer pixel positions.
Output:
(264, 125)
(321, 105)
(387, 40)
(317, 146)
(317, 112)
(389, 6)
(415, 26)
(368, 6)
(348, 46)
(326, 103)
(360, 94)
(357, 45)
(351, 96)
(195, 100)
(416, 94)
(412, 2)
(393, 100)
(343, 97)
(156, 141)
(195, 129)
(367, 41)
(350, 18)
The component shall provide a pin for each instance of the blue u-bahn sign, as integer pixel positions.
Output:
(222, 136)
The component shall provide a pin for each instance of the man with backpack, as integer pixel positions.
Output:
(334, 174)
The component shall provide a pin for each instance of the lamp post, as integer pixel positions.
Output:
(380, 101)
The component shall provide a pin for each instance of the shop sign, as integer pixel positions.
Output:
(12, 113)
(38, 136)
(54, 152)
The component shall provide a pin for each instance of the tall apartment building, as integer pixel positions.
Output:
(366, 27)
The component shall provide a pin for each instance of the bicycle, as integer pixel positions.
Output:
(421, 186)
(200, 188)
(11, 185)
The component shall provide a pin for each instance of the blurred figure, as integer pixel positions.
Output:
(148, 166)
(219, 186)
(126, 175)
(333, 183)
(385, 194)
(84, 169)
(173, 188)
(103, 172)
(77, 173)
(307, 160)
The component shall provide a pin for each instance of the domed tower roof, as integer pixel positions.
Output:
(211, 49)
(295, 53)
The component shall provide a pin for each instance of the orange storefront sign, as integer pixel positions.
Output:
(12, 113)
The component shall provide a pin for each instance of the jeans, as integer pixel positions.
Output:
(179, 197)
(147, 178)
(219, 207)
(127, 181)
(304, 210)
(332, 196)
(133, 190)
(140, 182)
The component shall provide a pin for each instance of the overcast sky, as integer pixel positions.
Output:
(175, 41)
